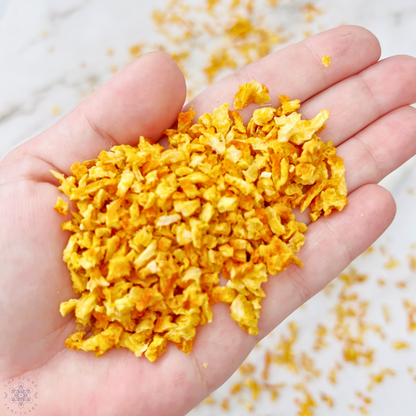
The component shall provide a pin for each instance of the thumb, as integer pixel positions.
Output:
(143, 99)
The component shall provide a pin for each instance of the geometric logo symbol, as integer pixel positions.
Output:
(20, 395)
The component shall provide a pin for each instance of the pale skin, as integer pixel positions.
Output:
(373, 128)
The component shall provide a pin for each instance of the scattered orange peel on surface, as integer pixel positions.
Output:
(154, 229)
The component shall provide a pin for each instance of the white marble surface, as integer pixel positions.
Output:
(4, 4)
(55, 52)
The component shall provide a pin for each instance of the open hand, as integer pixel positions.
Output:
(371, 124)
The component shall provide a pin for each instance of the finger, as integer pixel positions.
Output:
(360, 100)
(142, 99)
(379, 149)
(297, 70)
(331, 244)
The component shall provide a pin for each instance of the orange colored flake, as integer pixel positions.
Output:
(285, 355)
(248, 405)
(411, 314)
(136, 50)
(267, 363)
(386, 313)
(327, 399)
(235, 388)
(326, 61)
(308, 365)
(225, 405)
(320, 341)
(56, 110)
(333, 376)
(219, 60)
(247, 368)
(369, 250)
(365, 399)
(241, 28)
(273, 389)
(254, 386)
(400, 345)
(209, 400)
(357, 353)
(252, 92)
(391, 264)
(377, 378)
(352, 278)
(412, 262)
(306, 404)
(61, 206)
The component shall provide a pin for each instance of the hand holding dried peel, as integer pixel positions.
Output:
(154, 228)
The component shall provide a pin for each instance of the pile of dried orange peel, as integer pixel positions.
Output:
(153, 229)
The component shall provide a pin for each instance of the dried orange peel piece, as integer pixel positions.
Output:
(154, 229)
(252, 92)
(326, 61)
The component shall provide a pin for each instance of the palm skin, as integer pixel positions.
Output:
(373, 128)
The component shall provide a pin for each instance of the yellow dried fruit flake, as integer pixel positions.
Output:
(225, 405)
(411, 314)
(321, 333)
(248, 405)
(378, 378)
(153, 229)
(61, 206)
(327, 399)
(392, 263)
(326, 61)
(412, 262)
(365, 399)
(307, 403)
(400, 345)
(247, 368)
(386, 313)
(252, 92)
(209, 400)
(333, 375)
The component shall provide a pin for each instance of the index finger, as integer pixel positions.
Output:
(297, 70)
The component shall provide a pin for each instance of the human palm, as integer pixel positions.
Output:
(373, 128)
